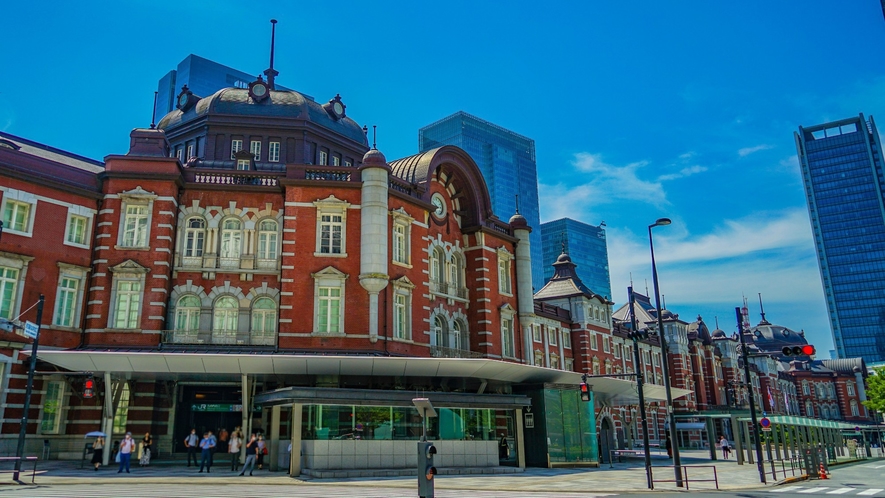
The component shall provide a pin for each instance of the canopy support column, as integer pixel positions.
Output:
(273, 453)
(295, 429)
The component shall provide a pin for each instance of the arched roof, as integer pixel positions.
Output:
(279, 103)
(460, 171)
(768, 337)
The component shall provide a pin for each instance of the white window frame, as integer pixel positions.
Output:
(19, 198)
(76, 274)
(850, 386)
(255, 150)
(193, 234)
(187, 318)
(331, 207)
(505, 282)
(594, 342)
(566, 339)
(855, 410)
(329, 278)
(142, 198)
(265, 315)
(552, 332)
(79, 212)
(131, 272)
(324, 158)
(336, 161)
(402, 309)
(569, 365)
(508, 340)
(230, 242)
(536, 333)
(226, 319)
(273, 152)
(606, 347)
(236, 145)
(268, 246)
(348, 163)
(401, 238)
(190, 151)
(18, 263)
(59, 400)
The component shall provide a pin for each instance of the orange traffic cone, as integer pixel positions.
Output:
(822, 472)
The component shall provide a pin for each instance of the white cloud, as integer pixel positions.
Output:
(687, 171)
(746, 151)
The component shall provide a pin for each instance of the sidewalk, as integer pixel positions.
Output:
(624, 477)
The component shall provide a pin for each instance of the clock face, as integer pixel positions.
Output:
(259, 90)
(338, 108)
(182, 100)
(440, 204)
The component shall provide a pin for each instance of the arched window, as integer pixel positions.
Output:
(440, 334)
(231, 242)
(267, 240)
(187, 313)
(264, 317)
(460, 339)
(225, 315)
(824, 412)
(855, 411)
(809, 409)
(456, 271)
(437, 263)
(194, 237)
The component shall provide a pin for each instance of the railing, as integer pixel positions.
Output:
(242, 178)
(444, 352)
(447, 289)
(192, 261)
(219, 337)
(266, 264)
(15, 475)
(229, 263)
(685, 478)
(793, 462)
(312, 172)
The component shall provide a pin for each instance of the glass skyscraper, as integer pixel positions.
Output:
(507, 162)
(845, 186)
(585, 245)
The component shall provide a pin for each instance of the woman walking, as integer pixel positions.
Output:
(262, 450)
(97, 452)
(234, 449)
(726, 449)
(251, 450)
(146, 447)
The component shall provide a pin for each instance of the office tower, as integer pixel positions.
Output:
(507, 162)
(203, 77)
(844, 183)
(586, 246)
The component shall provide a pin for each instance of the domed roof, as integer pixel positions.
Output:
(774, 338)
(563, 258)
(374, 159)
(279, 103)
(718, 334)
(518, 221)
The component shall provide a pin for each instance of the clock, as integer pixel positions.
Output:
(184, 98)
(335, 108)
(338, 108)
(440, 203)
(258, 90)
(182, 101)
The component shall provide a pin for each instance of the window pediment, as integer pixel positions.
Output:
(129, 266)
(330, 272)
(137, 194)
(403, 282)
(331, 203)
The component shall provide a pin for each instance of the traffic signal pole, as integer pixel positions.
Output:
(750, 395)
(640, 381)
(20, 449)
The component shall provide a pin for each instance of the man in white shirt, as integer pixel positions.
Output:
(127, 446)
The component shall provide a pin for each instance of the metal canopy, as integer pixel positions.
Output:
(230, 366)
(378, 397)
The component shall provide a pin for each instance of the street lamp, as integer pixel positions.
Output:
(639, 369)
(674, 442)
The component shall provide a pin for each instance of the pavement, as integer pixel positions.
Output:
(627, 477)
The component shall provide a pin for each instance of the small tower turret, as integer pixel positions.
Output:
(373, 232)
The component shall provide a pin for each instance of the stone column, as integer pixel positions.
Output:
(524, 291)
(247, 415)
(750, 457)
(738, 445)
(107, 418)
(295, 460)
(520, 439)
(374, 232)
(273, 453)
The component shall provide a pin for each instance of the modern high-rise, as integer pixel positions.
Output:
(507, 162)
(203, 77)
(845, 186)
(585, 245)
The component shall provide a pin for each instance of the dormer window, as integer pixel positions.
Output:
(243, 165)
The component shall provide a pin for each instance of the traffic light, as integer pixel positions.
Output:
(585, 392)
(89, 388)
(426, 470)
(806, 350)
(638, 335)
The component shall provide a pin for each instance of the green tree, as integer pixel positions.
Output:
(876, 391)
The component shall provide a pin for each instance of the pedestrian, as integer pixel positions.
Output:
(191, 442)
(234, 449)
(251, 450)
(206, 446)
(503, 447)
(669, 445)
(723, 443)
(223, 437)
(127, 446)
(261, 451)
(144, 458)
(212, 450)
(97, 452)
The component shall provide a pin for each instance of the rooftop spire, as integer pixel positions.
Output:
(154, 113)
(762, 312)
(517, 203)
(270, 72)
(374, 136)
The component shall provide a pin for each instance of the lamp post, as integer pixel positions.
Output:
(639, 369)
(745, 355)
(23, 427)
(674, 443)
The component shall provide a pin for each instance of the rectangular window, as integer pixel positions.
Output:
(273, 152)
(569, 365)
(52, 406)
(255, 149)
(536, 333)
(850, 388)
(121, 416)
(507, 337)
(127, 305)
(135, 226)
(66, 302)
(77, 229)
(329, 310)
(243, 165)
(17, 216)
(593, 344)
(504, 276)
(399, 243)
(235, 146)
(190, 151)
(8, 285)
(324, 157)
(179, 153)
(399, 317)
(551, 336)
(330, 234)
(566, 338)
(605, 345)
(348, 163)
(336, 161)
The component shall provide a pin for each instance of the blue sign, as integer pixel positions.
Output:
(31, 330)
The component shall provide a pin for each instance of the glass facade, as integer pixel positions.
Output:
(845, 187)
(585, 245)
(507, 163)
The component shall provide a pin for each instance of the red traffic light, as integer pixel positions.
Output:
(808, 350)
(89, 388)
(585, 392)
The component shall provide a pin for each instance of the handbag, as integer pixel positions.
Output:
(117, 458)
(264, 451)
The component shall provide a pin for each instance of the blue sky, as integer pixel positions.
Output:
(638, 109)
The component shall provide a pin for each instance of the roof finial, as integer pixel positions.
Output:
(663, 301)
(154, 113)
(562, 241)
(375, 137)
(517, 203)
(631, 279)
(762, 312)
(270, 72)
(646, 288)
(717, 321)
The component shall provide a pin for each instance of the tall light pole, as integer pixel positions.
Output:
(671, 416)
(751, 396)
(639, 369)
(23, 427)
